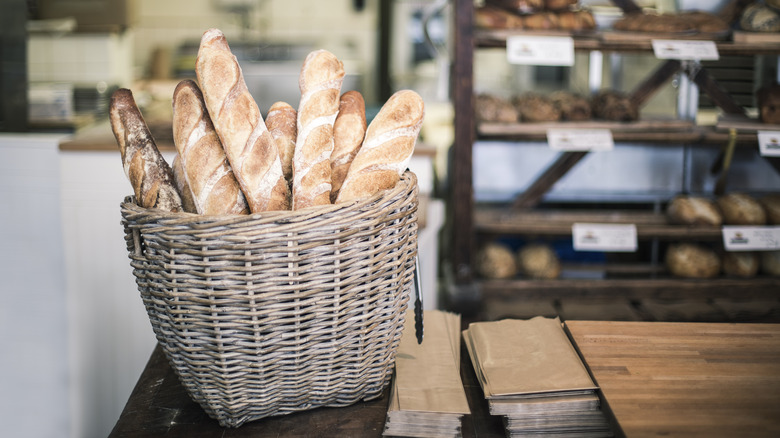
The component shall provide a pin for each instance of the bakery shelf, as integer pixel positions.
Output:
(632, 288)
(551, 223)
(609, 41)
(661, 132)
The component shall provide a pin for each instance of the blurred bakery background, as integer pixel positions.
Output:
(74, 329)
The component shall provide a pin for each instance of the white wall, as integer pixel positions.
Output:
(33, 322)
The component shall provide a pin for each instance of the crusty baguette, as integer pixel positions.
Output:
(148, 172)
(387, 148)
(349, 129)
(214, 188)
(187, 202)
(282, 122)
(249, 146)
(322, 75)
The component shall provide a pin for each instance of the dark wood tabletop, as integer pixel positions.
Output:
(159, 406)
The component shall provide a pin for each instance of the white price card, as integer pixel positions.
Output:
(604, 237)
(769, 143)
(686, 49)
(580, 139)
(751, 238)
(540, 50)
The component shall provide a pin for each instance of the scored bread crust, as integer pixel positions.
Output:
(208, 174)
(282, 122)
(387, 147)
(322, 75)
(148, 172)
(249, 146)
(349, 129)
(180, 180)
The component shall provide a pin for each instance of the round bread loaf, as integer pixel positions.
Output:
(693, 210)
(535, 107)
(573, 107)
(495, 261)
(492, 108)
(741, 209)
(741, 264)
(613, 105)
(771, 204)
(538, 261)
(758, 17)
(768, 101)
(692, 260)
(770, 263)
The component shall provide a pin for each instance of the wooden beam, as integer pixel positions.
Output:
(534, 193)
(461, 205)
(644, 91)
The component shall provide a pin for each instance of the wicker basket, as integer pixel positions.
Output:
(272, 313)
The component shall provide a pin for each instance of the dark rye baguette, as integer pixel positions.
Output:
(214, 188)
(387, 147)
(148, 172)
(249, 146)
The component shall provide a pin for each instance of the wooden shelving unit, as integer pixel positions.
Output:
(470, 223)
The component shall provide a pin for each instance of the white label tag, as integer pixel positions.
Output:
(769, 143)
(684, 49)
(752, 238)
(540, 50)
(580, 139)
(604, 237)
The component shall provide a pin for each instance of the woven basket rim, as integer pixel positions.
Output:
(407, 181)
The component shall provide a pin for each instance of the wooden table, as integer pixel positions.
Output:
(160, 407)
(685, 379)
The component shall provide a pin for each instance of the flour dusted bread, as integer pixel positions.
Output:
(208, 174)
(248, 144)
(282, 122)
(180, 180)
(741, 209)
(148, 172)
(320, 82)
(693, 210)
(495, 260)
(387, 147)
(741, 264)
(692, 260)
(349, 129)
(539, 261)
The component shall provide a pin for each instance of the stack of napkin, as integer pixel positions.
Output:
(427, 398)
(533, 377)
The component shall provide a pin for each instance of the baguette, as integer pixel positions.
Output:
(387, 148)
(282, 122)
(320, 82)
(348, 132)
(249, 146)
(187, 202)
(148, 172)
(213, 186)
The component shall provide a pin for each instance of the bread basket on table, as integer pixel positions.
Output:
(277, 312)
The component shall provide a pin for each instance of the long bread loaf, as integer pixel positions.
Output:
(214, 188)
(387, 148)
(320, 82)
(249, 146)
(349, 129)
(282, 122)
(148, 172)
(180, 180)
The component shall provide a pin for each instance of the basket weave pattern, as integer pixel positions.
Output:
(278, 312)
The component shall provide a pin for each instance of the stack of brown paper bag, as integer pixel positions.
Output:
(533, 377)
(427, 398)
